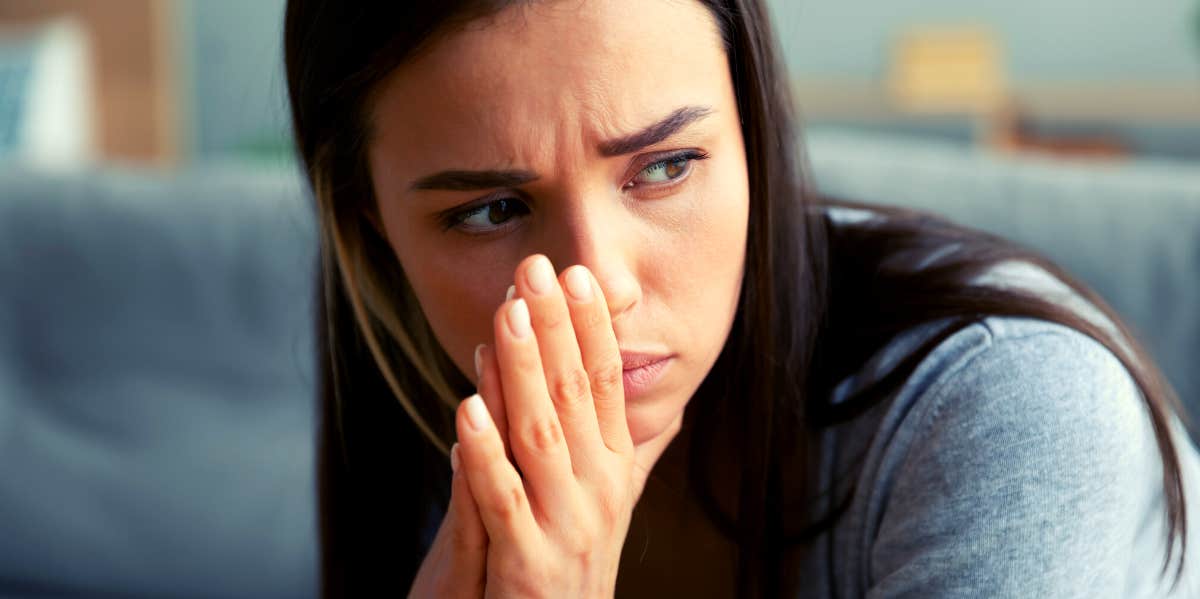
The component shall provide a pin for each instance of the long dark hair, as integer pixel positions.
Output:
(816, 301)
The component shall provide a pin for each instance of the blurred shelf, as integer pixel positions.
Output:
(1121, 102)
(136, 107)
(1085, 119)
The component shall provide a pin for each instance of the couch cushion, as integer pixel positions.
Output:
(156, 384)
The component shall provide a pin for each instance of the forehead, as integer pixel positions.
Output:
(566, 70)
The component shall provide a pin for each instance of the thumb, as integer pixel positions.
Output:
(455, 564)
(467, 535)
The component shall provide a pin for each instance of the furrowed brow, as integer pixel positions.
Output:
(654, 133)
(458, 180)
(462, 180)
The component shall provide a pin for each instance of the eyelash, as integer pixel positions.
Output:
(455, 218)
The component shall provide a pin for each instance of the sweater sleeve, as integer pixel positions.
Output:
(1023, 472)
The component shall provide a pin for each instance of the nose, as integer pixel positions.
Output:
(598, 239)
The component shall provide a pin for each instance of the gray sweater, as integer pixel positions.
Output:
(1018, 460)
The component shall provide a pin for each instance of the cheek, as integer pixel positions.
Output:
(708, 259)
(457, 293)
(693, 282)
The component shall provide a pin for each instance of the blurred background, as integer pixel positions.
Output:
(172, 82)
(157, 245)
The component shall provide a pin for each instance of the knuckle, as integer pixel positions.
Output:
(551, 320)
(542, 435)
(509, 503)
(581, 542)
(606, 379)
(595, 319)
(593, 316)
(528, 363)
(570, 388)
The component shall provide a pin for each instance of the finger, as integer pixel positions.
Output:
(534, 431)
(455, 565)
(600, 354)
(488, 384)
(562, 364)
(468, 538)
(496, 488)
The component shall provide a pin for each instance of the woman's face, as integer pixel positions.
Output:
(597, 133)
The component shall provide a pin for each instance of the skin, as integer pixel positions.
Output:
(544, 487)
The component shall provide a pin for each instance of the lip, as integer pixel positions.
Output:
(631, 360)
(641, 372)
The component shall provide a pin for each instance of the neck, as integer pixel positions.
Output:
(672, 547)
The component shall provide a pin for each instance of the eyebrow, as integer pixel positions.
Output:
(462, 180)
(473, 180)
(654, 133)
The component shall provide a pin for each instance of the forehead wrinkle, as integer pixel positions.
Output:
(535, 140)
(486, 72)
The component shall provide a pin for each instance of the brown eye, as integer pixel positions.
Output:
(487, 217)
(663, 171)
(500, 211)
(667, 170)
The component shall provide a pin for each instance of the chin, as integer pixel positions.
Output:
(652, 419)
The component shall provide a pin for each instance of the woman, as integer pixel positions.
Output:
(703, 380)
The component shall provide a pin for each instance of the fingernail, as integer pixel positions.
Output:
(479, 361)
(518, 319)
(578, 284)
(454, 458)
(512, 290)
(477, 414)
(540, 276)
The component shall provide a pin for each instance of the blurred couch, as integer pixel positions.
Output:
(157, 360)
(156, 385)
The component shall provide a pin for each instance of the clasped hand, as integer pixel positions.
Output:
(545, 472)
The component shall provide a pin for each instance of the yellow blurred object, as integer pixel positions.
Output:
(948, 69)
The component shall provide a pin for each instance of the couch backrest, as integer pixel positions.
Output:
(1130, 230)
(156, 385)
